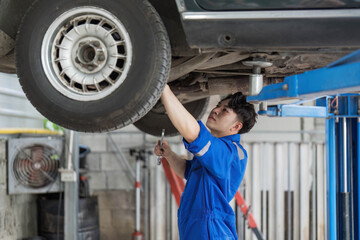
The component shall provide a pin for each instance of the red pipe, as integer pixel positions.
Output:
(177, 184)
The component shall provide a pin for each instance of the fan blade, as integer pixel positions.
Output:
(47, 175)
(27, 155)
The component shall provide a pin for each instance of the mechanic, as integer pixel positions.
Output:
(214, 174)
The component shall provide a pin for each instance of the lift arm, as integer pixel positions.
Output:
(336, 88)
(342, 76)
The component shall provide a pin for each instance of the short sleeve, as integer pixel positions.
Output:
(201, 143)
(213, 153)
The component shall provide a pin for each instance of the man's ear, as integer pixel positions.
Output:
(237, 127)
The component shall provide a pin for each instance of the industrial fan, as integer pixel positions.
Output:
(33, 165)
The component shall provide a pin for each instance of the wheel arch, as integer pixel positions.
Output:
(169, 13)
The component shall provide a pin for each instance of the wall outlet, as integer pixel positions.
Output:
(67, 175)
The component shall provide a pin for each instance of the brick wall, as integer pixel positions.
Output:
(111, 181)
(117, 214)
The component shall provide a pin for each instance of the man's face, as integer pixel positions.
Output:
(222, 119)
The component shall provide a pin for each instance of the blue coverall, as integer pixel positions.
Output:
(213, 177)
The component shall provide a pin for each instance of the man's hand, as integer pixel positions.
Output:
(177, 163)
(164, 151)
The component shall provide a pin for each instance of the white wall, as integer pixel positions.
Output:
(298, 167)
(15, 110)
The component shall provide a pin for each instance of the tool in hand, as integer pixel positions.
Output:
(161, 143)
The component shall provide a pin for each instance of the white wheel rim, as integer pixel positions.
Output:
(86, 53)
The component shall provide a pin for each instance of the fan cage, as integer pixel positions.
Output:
(36, 166)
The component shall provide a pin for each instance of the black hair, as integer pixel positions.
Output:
(244, 110)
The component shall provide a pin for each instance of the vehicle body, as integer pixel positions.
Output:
(199, 47)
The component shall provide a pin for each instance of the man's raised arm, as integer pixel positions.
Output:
(182, 120)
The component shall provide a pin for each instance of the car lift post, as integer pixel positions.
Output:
(357, 178)
(331, 86)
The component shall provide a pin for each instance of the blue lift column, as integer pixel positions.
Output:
(357, 178)
(336, 88)
(331, 179)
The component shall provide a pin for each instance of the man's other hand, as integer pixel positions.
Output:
(164, 151)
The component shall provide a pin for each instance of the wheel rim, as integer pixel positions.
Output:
(86, 53)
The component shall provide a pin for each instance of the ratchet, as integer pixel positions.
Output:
(161, 143)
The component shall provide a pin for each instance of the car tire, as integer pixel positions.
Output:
(92, 65)
(153, 122)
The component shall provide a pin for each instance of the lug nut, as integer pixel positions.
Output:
(90, 68)
(101, 57)
(96, 44)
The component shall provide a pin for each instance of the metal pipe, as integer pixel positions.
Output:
(156, 202)
(331, 223)
(226, 59)
(71, 192)
(351, 125)
(216, 86)
(146, 191)
(265, 189)
(314, 210)
(357, 173)
(36, 131)
(325, 192)
(189, 66)
(345, 157)
(223, 86)
(241, 224)
(168, 212)
(71, 150)
(123, 158)
(278, 192)
(345, 216)
(344, 184)
(137, 235)
(289, 228)
(137, 186)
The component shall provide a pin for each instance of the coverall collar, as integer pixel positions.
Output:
(233, 138)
